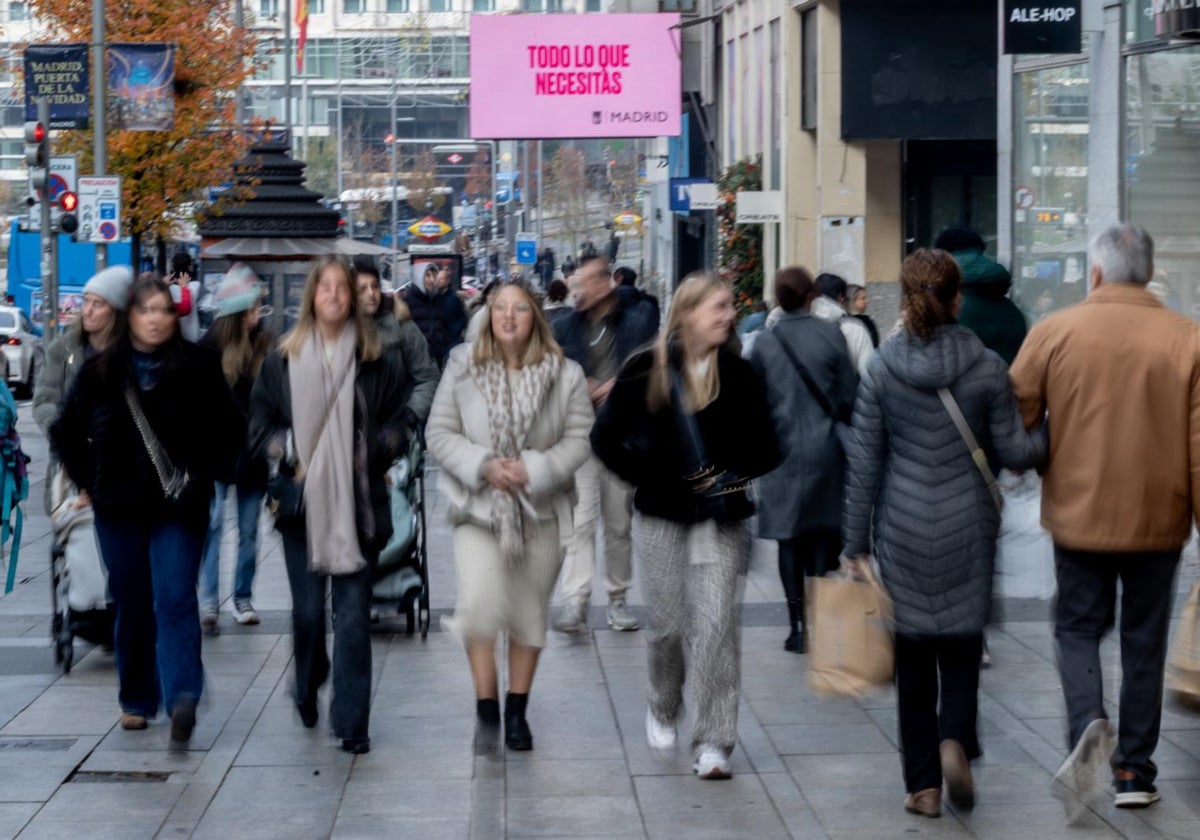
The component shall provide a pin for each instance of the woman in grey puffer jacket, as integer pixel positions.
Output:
(911, 476)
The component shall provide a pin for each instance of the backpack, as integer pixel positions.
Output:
(14, 484)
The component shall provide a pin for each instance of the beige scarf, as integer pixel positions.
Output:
(319, 379)
(512, 408)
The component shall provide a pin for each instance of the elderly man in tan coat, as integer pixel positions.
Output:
(1119, 378)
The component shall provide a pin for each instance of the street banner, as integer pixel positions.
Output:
(566, 76)
(141, 86)
(59, 72)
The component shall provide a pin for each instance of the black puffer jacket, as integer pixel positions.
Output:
(644, 448)
(382, 384)
(909, 474)
(441, 317)
(190, 410)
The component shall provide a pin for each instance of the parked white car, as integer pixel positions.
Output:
(22, 351)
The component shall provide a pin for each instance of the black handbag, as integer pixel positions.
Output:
(720, 495)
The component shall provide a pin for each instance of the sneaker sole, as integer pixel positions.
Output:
(1138, 799)
(627, 629)
(715, 774)
(1077, 778)
(246, 620)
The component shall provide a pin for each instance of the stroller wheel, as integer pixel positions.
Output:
(66, 652)
(410, 618)
(424, 622)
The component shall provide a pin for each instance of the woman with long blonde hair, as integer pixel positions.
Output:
(687, 424)
(509, 427)
(328, 408)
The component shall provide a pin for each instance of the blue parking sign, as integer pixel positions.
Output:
(526, 249)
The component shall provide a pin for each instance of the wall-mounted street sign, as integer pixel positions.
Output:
(99, 209)
(1043, 26)
(1177, 18)
(757, 207)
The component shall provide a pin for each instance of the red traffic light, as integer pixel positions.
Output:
(69, 202)
(35, 132)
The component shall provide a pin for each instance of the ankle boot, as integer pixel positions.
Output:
(796, 642)
(487, 726)
(516, 730)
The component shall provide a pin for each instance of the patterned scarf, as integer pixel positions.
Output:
(513, 404)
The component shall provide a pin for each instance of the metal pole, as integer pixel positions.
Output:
(287, 69)
(239, 22)
(541, 230)
(525, 179)
(100, 135)
(393, 227)
(49, 261)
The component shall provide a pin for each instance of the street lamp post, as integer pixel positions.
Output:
(395, 222)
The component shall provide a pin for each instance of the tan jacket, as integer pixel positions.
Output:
(1119, 376)
(459, 437)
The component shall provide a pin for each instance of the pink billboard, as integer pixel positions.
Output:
(568, 76)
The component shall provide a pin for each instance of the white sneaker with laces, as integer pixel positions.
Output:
(620, 617)
(1079, 777)
(660, 736)
(573, 618)
(712, 764)
(243, 612)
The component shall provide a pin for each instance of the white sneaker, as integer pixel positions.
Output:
(712, 764)
(620, 617)
(243, 612)
(573, 618)
(660, 736)
(1080, 776)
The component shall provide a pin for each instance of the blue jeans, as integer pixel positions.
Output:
(152, 571)
(249, 503)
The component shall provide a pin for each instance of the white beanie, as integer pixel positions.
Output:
(112, 284)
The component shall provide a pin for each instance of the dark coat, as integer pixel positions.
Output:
(418, 361)
(381, 383)
(442, 318)
(633, 326)
(986, 309)
(911, 477)
(191, 411)
(644, 448)
(251, 472)
(805, 492)
(632, 296)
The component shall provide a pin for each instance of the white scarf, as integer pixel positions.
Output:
(316, 381)
(511, 413)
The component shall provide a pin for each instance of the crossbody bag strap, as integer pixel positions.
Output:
(977, 453)
(168, 476)
(817, 393)
(688, 428)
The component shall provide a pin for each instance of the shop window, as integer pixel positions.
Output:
(1162, 179)
(18, 12)
(1050, 188)
(354, 7)
(397, 6)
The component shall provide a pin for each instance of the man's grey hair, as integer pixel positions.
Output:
(1124, 253)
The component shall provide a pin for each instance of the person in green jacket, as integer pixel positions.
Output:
(986, 309)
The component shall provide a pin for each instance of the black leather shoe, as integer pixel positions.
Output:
(308, 712)
(356, 746)
(796, 642)
(516, 730)
(183, 719)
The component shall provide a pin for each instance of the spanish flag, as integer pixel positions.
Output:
(302, 29)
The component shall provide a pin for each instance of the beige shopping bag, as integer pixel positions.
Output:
(1183, 663)
(851, 650)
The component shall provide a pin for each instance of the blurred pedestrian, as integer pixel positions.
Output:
(1119, 376)
(241, 341)
(917, 484)
(687, 424)
(830, 305)
(555, 305)
(479, 308)
(329, 408)
(395, 327)
(437, 311)
(509, 428)
(600, 334)
(148, 427)
(856, 306)
(986, 309)
(627, 287)
(185, 292)
(810, 383)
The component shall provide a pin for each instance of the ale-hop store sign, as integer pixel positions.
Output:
(1042, 26)
(574, 76)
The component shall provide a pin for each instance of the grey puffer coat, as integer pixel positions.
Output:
(909, 474)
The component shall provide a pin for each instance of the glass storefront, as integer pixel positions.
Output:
(1162, 166)
(1050, 187)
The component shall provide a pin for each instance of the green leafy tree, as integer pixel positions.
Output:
(741, 246)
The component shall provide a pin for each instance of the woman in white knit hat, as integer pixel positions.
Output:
(242, 343)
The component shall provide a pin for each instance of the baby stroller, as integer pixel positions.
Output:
(78, 580)
(402, 575)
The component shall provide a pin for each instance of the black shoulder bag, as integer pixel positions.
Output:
(720, 495)
(840, 426)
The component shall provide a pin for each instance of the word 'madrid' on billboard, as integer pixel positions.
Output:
(571, 76)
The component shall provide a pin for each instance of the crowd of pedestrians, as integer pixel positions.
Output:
(592, 414)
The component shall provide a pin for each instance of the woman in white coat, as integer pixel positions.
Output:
(509, 427)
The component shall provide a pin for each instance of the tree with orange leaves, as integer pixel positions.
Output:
(163, 172)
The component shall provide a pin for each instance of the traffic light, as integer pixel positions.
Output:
(68, 222)
(37, 155)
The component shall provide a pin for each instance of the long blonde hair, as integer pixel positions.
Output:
(242, 352)
(698, 391)
(541, 340)
(369, 346)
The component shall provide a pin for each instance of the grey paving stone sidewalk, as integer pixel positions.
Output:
(805, 767)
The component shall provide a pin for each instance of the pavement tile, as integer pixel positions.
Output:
(125, 828)
(372, 828)
(851, 813)
(1043, 820)
(570, 777)
(856, 771)
(562, 815)
(291, 802)
(68, 710)
(811, 738)
(792, 806)
(14, 816)
(304, 749)
(140, 802)
(370, 795)
(675, 807)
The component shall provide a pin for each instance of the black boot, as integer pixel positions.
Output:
(487, 726)
(796, 641)
(791, 575)
(516, 730)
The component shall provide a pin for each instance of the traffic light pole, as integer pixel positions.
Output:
(99, 85)
(48, 238)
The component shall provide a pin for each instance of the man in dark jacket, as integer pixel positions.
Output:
(437, 311)
(602, 332)
(986, 309)
(627, 289)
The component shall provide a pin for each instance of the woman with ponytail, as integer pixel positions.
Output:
(912, 482)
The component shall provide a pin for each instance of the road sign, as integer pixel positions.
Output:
(527, 249)
(688, 194)
(99, 209)
(63, 175)
(628, 219)
(1024, 198)
(429, 228)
